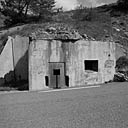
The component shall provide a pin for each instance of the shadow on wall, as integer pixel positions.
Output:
(18, 78)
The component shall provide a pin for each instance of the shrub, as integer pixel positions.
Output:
(122, 63)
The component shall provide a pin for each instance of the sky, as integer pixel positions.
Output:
(71, 4)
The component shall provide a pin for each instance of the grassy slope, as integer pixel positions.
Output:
(100, 25)
(96, 28)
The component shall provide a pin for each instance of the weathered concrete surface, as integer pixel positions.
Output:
(104, 107)
(38, 64)
(14, 56)
(6, 60)
(43, 52)
(20, 49)
(104, 52)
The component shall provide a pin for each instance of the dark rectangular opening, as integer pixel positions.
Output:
(91, 65)
(67, 80)
(56, 71)
(46, 81)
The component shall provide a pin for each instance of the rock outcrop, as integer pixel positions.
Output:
(57, 32)
(120, 33)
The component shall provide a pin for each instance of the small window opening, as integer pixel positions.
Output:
(46, 80)
(56, 72)
(67, 80)
(91, 65)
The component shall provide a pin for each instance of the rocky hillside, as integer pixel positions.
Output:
(120, 31)
(101, 23)
(2, 18)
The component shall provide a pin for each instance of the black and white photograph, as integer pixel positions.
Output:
(63, 63)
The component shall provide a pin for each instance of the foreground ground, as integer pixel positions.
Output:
(103, 107)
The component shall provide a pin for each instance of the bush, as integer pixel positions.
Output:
(122, 63)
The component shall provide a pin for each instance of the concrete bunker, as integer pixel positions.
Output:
(62, 58)
(57, 57)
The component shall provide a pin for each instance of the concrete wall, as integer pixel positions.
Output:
(20, 51)
(85, 50)
(14, 56)
(6, 60)
(38, 64)
(41, 52)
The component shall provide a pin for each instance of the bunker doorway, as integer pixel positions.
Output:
(56, 75)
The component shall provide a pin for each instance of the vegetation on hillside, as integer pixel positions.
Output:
(122, 5)
(101, 23)
(22, 11)
(122, 63)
